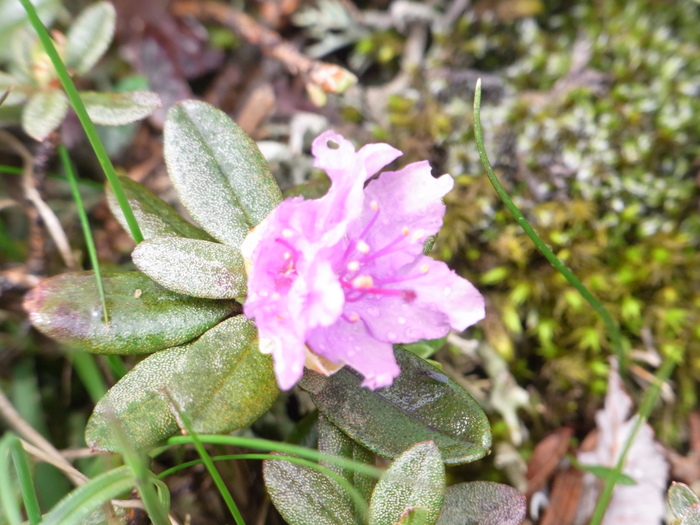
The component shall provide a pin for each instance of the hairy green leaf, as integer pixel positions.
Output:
(218, 171)
(221, 381)
(333, 441)
(13, 18)
(423, 404)
(116, 109)
(143, 316)
(9, 83)
(193, 267)
(415, 480)
(156, 217)
(681, 499)
(44, 113)
(305, 496)
(89, 37)
(482, 503)
(81, 502)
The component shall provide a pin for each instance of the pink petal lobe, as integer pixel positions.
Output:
(352, 344)
(376, 156)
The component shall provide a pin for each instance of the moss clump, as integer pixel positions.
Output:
(593, 130)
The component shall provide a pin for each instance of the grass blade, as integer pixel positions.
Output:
(275, 446)
(613, 328)
(209, 464)
(8, 500)
(77, 505)
(24, 475)
(87, 124)
(85, 224)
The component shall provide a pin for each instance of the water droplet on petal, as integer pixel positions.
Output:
(413, 334)
(401, 320)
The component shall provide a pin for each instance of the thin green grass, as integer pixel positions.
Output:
(208, 463)
(613, 328)
(85, 224)
(275, 446)
(85, 121)
(9, 504)
(144, 478)
(358, 500)
(651, 396)
(12, 445)
(663, 373)
(14, 170)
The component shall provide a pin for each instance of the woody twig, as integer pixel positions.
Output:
(321, 78)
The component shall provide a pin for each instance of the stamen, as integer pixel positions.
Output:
(353, 266)
(389, 248)
(362, 247)
(363, 282)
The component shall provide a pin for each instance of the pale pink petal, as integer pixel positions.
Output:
(395, 320)
(443, 289)
(317, 301)
(376, 156)
(353, 345)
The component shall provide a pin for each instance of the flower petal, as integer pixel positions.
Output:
(376, 156)
(352, 344)
(444, 290)
(408, 201)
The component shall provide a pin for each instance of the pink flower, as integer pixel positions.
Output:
(344, 277)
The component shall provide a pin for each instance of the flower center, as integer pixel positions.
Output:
(356, 275)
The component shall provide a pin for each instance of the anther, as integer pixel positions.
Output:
(362, 247)
(353, 266)
(362, 282)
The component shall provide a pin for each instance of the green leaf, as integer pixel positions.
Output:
(89, 37)
(423, 404)
(605, 473)
(13, 18)
(333, 441)
(80, 503)
(143, 316)
(425, 348)
(193, 267)
(218, 171)
(155, 216)
(304, 496)
(117, 109)
(415, 480)
(221, 381)
(692, 516)
(681, 499)
(11, 84)
(482, 503)
(44, 113)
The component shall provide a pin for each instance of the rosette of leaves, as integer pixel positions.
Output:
(183, 306)
(36, 98)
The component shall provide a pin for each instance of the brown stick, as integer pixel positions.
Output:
(328, 78)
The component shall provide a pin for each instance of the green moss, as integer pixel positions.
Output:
(602, 160)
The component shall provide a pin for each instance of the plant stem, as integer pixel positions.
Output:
(613, 328)
(84, 118)
(650, 397)
(85, 224)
